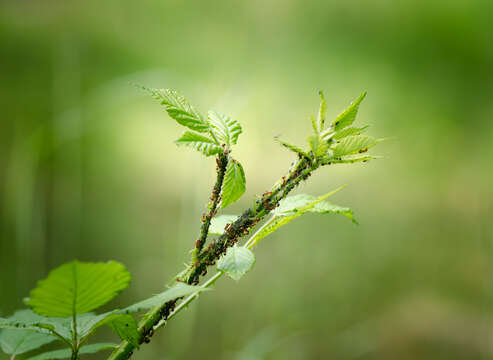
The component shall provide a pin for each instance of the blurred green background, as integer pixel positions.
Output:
(88, 168)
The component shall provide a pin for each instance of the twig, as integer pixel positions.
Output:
(222, 162)
(158, 316)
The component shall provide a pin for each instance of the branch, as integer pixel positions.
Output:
(156, 317)
(222, 162)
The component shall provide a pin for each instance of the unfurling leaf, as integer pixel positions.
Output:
(288, 211)
(179, 109)
(234, 183)
(67, 353)
(291, 204)
(347, 117)
(236, 262)
(219, 222)
(322, 111)
(16, 342)
(353, 144)
(314, 125)
(201, 143)
(293, 148)
(317, 145)
(350, 131)
(77, 288)
(177, 291)
(224, 128)
(351, 159)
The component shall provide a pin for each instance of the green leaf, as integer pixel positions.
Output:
(348, 116)
(353, 144)
(34, 322)
(224, 128)
(198, 142)
(236, 262)
(234, 183)
(351, 159)
(87, 323)
(219, 222)
(125, 327)
(349, 132)
(322, 111)
(67, 353)
(314, 125)
(179, 109)
(291, 204)
(177, 291)
(16, 342)
(78, 287)
(326, 207)
(293, 148)
(317, 145)
(288, 211)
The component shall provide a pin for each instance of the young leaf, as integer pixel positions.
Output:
(293, 148)
(236, 262)
(350, 131)
(281, 219)
(326, 207)
(219, 222)
(322, 112)
(348, 116)
(291, 204)
(234, 183)
(78, 287)
(177, 291)
(317, 145)
(125, 327)
(179, 109)
(201, 143)
(351, 159)
(224, 128)
(67, 353)
(353, 144)
(16, 342)
(314, 125)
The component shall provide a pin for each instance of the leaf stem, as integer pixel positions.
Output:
(75, 345)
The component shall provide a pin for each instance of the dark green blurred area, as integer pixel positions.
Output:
(88, 168)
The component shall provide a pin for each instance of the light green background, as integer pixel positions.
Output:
(88, 168)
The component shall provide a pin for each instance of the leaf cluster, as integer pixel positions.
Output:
(339, 142)
(211, 135)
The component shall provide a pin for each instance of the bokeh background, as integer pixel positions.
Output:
(88, 168)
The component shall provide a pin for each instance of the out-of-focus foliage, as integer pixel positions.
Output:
(89, 169)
